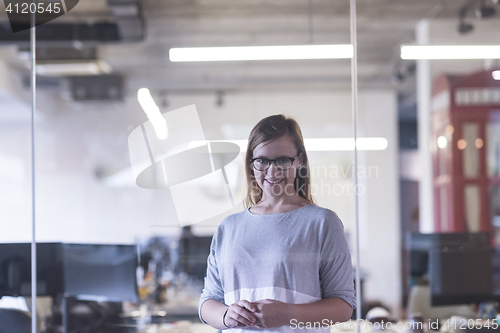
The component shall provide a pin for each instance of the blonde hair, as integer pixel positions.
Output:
(269, 129)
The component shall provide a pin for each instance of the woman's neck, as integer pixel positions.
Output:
(277, 204)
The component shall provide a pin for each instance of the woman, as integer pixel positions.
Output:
(284, 260)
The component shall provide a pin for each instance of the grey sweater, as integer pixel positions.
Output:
(294, 257)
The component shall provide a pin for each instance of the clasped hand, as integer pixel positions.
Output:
(266, 313)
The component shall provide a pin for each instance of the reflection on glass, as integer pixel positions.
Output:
(442, 153)
(493, 134)
(87, 188)
(495, 211)
(461, 144)
(472, 208)
(449, 129)
(470, 132)
(442, 142)
(479, 143)
(443, 199)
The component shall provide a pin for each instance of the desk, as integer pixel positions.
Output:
(179, 327)
(189, 327)
(366, 327)
(163, 315)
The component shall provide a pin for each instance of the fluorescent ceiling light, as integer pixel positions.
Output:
(125, 10)
(153, 112)
(197, 143)
(450, 52)
(67, 68)
(339, 144)
(240, 53)
(323, 144)
(496, 75)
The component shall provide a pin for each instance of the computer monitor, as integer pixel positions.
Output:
(100, 272)
(419, 263)
(460, 276)
(193, 254)
(420, 245)
(86, 271)
(200, 256)
(15, 269)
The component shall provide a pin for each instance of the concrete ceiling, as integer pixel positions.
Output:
(382, 26)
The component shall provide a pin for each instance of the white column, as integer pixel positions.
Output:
(424, 91)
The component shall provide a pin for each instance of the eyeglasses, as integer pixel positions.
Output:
(281, 163)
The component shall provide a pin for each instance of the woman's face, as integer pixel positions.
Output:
(274, 181)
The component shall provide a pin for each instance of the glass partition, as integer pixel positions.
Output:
(469, 145)
(15, 200)
(141, 152)
(447, 105)
(143, 117)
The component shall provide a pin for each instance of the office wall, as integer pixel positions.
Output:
(77, 148)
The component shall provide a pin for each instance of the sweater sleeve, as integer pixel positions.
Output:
(213, 286)
(335, 263)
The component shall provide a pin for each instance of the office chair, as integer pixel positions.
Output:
(419, 301)
(14, 321)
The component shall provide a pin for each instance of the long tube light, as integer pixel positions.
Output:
(153, 112)
(450, 52)
(339, 144)
(243, 53)
(67, 68)
(318, 144)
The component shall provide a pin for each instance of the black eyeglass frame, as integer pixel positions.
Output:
(292, 159)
